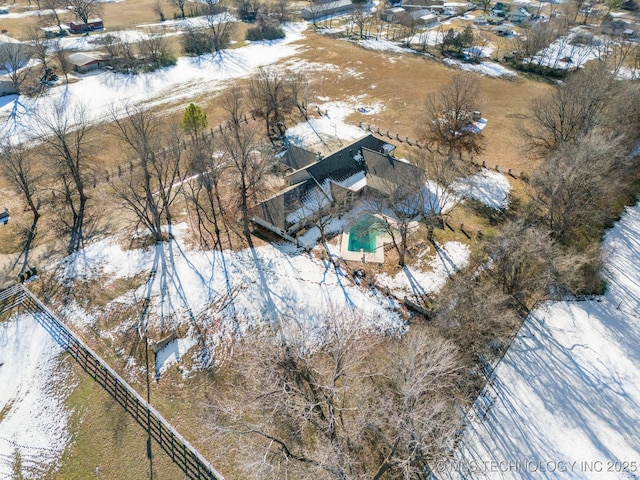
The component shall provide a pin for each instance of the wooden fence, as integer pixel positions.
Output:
(414, 143)
(181, 452)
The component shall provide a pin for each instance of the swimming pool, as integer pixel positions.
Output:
(363, 235)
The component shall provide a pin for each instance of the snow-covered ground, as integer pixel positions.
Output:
(429, 275)
(565, 400)
(488, 187)
(486, 67)
(566, 53)
(33, 419)
(234, 292)
(101, 92)
(317, 132)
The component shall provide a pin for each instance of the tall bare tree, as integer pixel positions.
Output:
(17, 166)
(67, 138)
(84, 9)
(204, 193)
(574, 184)
(240, 144)
(271, 97)
(448, 123)
(571, 111)
(151, 184)
(13, 59)
(336, 413)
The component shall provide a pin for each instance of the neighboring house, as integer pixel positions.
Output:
(366, 164)
(500, 9)
(392, 15)
(84, 62)
(421, 3)
(518, 16)
(6, 86)
(503, 30)
(331, 8)
(92, 24)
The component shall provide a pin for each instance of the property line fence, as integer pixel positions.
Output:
(367, 127)
(181, 452)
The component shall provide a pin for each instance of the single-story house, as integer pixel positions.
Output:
(518, 16)
(331, 8)
(92, 24)
(84, 62)
(392, 15)
(6, 86)
(421, 3)
(366, 164)
(500, 9)
(503, 30)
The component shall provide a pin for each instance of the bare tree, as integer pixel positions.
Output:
(334, 413)
(84, 9)
(573, 185)
(439, 196)
(49, 12)
(221, 25)
(67, 137)
(149, 188)
(181, 5)
(270, 97)
(204, 193)
(448, 125)
(41, 47)
(13, 60)
(17, 166)
(241, 146)
(60, 56)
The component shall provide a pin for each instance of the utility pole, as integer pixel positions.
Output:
(143, 330)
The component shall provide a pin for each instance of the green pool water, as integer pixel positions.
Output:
(362, 236)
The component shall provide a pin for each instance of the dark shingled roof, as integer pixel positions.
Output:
(388, 168)
(297, 158)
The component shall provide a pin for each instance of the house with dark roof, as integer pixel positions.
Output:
(344, 175)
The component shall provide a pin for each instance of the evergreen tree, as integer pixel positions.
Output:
(194, 119)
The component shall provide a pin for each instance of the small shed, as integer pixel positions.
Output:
(92, 24)
(84, 62)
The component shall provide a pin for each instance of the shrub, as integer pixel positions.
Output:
(265, 32)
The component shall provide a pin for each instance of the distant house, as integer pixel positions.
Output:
(518, 16)
(6, 86)
(366, 164)
(331, 8)
(503, 30)
(392, 15)
(83, 62)
(500, 9)
(92, 24)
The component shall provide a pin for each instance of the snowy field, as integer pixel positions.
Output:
(100, 93)
(33, 419)
(565, 401)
